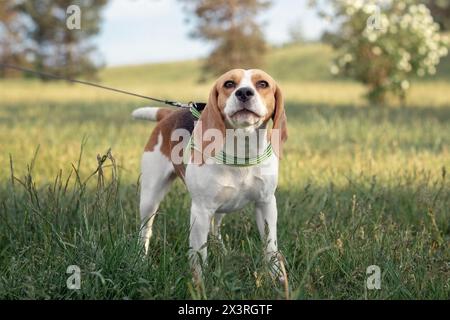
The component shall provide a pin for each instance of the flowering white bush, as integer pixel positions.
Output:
(385, 43)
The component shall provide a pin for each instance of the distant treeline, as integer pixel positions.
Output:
(36, 34)
(40, 34)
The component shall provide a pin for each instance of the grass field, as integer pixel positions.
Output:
(359, 186)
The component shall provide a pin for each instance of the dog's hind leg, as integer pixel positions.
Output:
(157, 176)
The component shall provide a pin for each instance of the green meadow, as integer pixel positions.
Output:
(359, 185)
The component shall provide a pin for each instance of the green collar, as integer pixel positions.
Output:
(222, 157)
(195, 113)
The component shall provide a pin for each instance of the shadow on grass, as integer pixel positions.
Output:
(329, 236)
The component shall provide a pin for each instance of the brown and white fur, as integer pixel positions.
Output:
(241, 102)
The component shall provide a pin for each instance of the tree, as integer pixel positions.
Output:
(386, 44)
(11, 37)
(232, 27)
(53, 46)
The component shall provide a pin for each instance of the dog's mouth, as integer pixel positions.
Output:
(244, 113)
(244, 118)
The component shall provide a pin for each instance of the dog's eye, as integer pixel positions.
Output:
(229, 84)
(262, 84)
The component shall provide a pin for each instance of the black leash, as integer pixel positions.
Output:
(198, 106)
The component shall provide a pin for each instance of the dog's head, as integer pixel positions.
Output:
(246, 99)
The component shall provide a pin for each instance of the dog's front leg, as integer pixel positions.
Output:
(266, 220)
(216, 229)
(200, 227)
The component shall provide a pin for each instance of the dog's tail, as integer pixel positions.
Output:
(151, 113)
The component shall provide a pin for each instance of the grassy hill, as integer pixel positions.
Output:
(291, 63)
(302, 71)
(308, 62)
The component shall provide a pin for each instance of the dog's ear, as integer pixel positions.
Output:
(279, 131)
(209, 132)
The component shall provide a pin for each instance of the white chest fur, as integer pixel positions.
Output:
(222, 188)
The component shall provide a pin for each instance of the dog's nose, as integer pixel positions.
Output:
(244, 94)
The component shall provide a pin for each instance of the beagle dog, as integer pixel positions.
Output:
(234, 122)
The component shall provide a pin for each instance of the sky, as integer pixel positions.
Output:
(145, 31)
